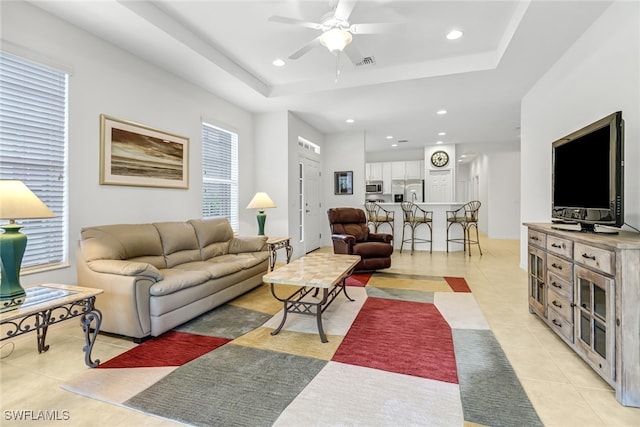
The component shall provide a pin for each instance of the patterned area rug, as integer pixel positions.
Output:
(410, 350)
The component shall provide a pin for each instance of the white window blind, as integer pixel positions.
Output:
(33, 149)
(220, 174)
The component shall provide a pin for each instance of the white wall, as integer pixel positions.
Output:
(271, 153)
(503, 198)
(597, 76)
(108, 80)
(343, 152)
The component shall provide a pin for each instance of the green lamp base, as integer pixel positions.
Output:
(262, 218)
(12, 246)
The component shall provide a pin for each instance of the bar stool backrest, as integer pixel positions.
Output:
(471, 211)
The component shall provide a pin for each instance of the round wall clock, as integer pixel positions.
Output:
(439, 159)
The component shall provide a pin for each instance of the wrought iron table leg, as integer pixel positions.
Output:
(344, 289)
(93, 316)
(44, 318)
(319, 309)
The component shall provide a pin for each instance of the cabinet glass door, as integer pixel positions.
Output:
(537, 286)
(595, 320)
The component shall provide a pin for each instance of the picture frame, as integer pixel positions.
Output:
(343, 182)
(137, 155)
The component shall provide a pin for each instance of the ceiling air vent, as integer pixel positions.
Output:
(366, 61)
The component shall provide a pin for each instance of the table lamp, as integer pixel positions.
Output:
(16, 202)
(261, 201)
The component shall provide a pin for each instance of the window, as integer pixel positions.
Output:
(220, 174)
(33, 149)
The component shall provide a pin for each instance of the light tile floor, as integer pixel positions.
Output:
(562, 388)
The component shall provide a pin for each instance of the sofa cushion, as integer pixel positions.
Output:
(213, 235)
(134, 242)
(177, 279)
(251, 259)
(247, 244)
(215, 270)
(179, 242)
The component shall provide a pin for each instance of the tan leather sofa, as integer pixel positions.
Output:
(158, 276)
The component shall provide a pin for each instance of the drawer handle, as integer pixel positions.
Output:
(555, 245)
(591, 257)
(559, 267)
(534, 238)
(555, 322)
(555, 285)
(556, 304)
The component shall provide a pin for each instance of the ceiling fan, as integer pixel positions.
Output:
(337, 31)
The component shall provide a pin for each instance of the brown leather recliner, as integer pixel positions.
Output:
(350, 234)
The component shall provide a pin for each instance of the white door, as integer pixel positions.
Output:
(313, 218)
(439, 186)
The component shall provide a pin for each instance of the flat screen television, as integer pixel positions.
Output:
(588, 176)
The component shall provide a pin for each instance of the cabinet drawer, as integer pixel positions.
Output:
(560, 325)
(561, 305)
(599, 259)
(559, 246)
(560, 267)
(537, 239)
(562, 287)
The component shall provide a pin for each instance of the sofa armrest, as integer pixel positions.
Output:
(343, 243)
(380, 237)
(240, 244)
(125, 268)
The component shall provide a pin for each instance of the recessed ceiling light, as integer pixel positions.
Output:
(438, 142)
(389, 137)
(394, 145)
(442, 133)
(350, 120)
(278, 62)
(441, 112)
(454, 34)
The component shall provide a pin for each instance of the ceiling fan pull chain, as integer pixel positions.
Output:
(337, 67)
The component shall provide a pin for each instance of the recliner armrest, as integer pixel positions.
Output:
(380, 237)
(343, 243)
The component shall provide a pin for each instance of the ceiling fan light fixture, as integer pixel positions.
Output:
(335, 39)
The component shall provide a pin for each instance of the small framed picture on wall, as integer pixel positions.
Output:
(343, 182)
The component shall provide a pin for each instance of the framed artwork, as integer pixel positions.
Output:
(137, 155)
(343, 182)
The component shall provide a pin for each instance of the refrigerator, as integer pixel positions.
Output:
(414, 190)
(397, 190)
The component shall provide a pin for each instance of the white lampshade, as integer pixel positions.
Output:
(261, 201)
(18, 202)
(335, 39)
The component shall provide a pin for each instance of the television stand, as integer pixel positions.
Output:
(586, 288)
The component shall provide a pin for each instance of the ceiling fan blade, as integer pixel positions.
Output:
(306, 48)
(376, 28)
(344, 9)
(285, 20)
(353, 54)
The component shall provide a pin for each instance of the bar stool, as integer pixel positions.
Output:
(414, 217)
(377, 215)
(467, 217)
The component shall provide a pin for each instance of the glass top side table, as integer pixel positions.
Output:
(48, 304)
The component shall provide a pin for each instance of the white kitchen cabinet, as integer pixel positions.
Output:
(398, 170)
(414, 169)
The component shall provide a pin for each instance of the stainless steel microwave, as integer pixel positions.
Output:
(374, 187)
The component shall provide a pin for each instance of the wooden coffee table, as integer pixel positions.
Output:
(311, 273)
